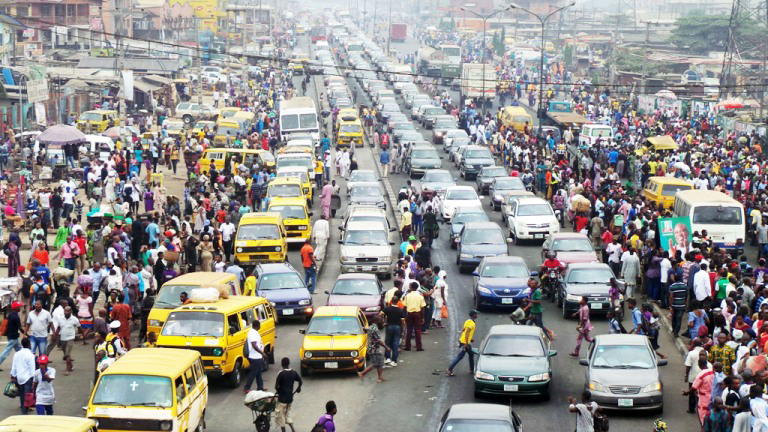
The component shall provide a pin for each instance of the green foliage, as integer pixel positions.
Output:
(631, 60)
(700, 34)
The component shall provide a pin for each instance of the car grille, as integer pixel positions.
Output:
(316, 354)
(544, 225)
(293, 234)
(247, 249)
(598, 299)
(128, 424)
(367, 259)
(292, 227)
(286, 303)
(624, 389)
(204, 351)
(500, 292)
(512, 378)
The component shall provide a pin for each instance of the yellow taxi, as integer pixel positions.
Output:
(285, 187)
(168, 298)
(173, 126)
(296, 217)
(226, 132)
(516, 117)
(228, 112)
(218, 330)
(349, 128)
(662, 189)
(304, 178)
(161, 389)
(335, 340)
(260, 237)
(200, 126)
(30, 423)
(97, 121)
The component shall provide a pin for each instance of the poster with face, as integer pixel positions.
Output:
(675, 235)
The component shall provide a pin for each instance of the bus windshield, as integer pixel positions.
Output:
(717, 215)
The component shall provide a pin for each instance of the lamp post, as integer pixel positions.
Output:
(543, 20)
(485, 19)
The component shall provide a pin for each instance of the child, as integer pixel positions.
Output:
(614, 326)
(84, 304)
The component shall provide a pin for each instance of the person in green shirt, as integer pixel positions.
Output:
(535, 310)
(722, 285)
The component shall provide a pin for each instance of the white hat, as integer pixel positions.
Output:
(114, 324)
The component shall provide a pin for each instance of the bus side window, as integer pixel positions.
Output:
(181, 391)
(198, 369)
(189, 375)
(233, 322)
(261, 311)
(248, 317)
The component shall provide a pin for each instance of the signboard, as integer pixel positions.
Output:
(37, 90)
(675, 234)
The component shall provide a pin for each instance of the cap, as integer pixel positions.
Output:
(43, 359)
(737, 334)
(21, 269)
(114, 324)
(473, 313)
(16, 305)
(411, 238)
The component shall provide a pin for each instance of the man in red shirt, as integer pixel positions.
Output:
(310, 265)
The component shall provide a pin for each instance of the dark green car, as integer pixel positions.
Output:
(514, 360)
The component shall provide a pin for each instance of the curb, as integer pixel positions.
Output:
(387, 185)
(667, 325)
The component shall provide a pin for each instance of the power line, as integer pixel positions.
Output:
(358, 69)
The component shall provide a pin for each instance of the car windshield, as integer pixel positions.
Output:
(356, 287)
(368, 237)
(504, 270)
(168, 297)
(290, 121)
(494, 172)
(194, 323)
(276, 281)
(513, 346)
(424, 154)
(622, 357)
(509, 184)
(445, 124)
(462, 218)
(90, 116)
(572, 245)
(362, 176)
(482, 236)
(301, 175)
(671, 190)
(434, 110)
(600, 275)
(334, 325)
(351, 128)
(290, 212)
(365, 191)
(461, 194)
(534, 210)
(437, 177)
(717, 215)
(134, 390)
(258, 232)
(478, 154)
(285, 190)
(308, 121)
(476, 425)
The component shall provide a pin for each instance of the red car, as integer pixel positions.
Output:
(570, 248)
(363, 290)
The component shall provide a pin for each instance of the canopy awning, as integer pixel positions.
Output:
(663, 142)
(145, 87)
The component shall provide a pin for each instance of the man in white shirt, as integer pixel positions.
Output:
(255, 357)
(702, 286)
(66, 330)
(23, 370)
(39, 322)
(665, 266)
(227, 230)
(614, 251)
(321, 233)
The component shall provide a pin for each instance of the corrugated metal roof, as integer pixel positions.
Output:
(157, 66)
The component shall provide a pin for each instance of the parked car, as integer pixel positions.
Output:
(623, 373)
(514, 360)
(473, 158)
(461, 216)
(367, 193)
(434, 181)
(486, 175)
(365, 248)
(501, 187)
(420, 159)
(500, 282)
(458, 196)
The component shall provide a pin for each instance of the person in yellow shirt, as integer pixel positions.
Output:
(465, 344)
(414, 306)
(249, 287)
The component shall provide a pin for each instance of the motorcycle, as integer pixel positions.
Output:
(551, 284)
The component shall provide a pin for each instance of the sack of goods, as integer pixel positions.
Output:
(204, 295)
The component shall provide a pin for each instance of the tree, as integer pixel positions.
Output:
(500, 48)
(700, 34)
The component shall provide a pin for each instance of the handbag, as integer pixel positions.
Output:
(11, 390)
(444, 311)
(29, 399)
(4, 326)
(600, 422)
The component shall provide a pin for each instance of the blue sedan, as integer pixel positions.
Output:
(501, 282)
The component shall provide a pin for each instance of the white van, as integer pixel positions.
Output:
(591, 132)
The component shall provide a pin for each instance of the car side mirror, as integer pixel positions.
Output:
(326, 291)
(509, 240)
(302, 331)
(552, 353)
(391, 243)
(341, 228)
(310, 214)
(475, 273)
(534, 273)
(475, 351)
(662, 362)
(584, 362)
(392, 229)
(341, 241)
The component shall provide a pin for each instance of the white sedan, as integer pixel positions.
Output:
(458, 196)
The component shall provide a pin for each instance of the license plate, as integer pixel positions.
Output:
(596, 305)
(507, 301)
(510, 387)
(287, 311)
(367, 268)
(538, 236)
(626, 403)
(331, 365)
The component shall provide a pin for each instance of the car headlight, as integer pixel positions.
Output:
(372, 309)
(384, 258)
(346, 258)
(166, 425)
(483, 376)
(217, 351)
(304, 302)
(596, 386)
(239, 250)
(572, 298)
(155, 323)
(354, 354)
(307, 354)
(526, 292)
(539, 377)
(278, 248)
(652, 387)
(483, 290)
(464, 255)
(302, 227)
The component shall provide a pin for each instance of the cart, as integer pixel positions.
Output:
(262, 404)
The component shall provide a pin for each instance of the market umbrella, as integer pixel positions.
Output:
(61, 134)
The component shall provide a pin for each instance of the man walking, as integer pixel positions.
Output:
(384, 159)
(375, 345)
(43, 387)
(66, 330)
(23, 371)
(39, 323)
(284, 390)
(310, 265)
(585, 326)
(255, 357)
(414, 303)
(395, 319)
(465, 344)
(12, 331)
(678, 301)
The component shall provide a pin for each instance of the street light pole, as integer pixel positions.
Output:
(485, 19)
(543, 21)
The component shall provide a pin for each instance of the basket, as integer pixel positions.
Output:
(171, 256)
(266, 404)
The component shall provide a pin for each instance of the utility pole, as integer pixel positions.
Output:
(389, 27)
(646, 50)
(765, 60)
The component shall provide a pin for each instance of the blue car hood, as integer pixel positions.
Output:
(285, 294)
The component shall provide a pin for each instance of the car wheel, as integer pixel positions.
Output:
(515, 240)
(476, 302)
(559, 299)
(545, 396)
(187, 119)
(304, 371)
(565, 314)
(233, 379)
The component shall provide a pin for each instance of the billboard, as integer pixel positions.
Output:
(675, 234)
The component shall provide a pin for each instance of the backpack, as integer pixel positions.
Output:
(320, 426)
(600, 422)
